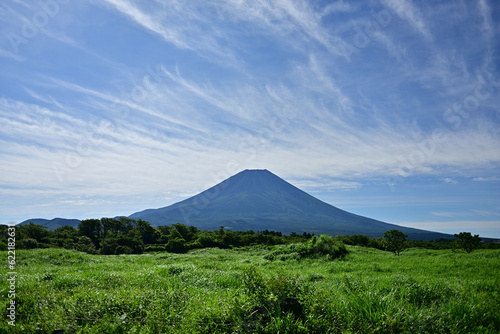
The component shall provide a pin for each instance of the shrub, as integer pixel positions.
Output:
(177, 245)
(28, 243)
(108, 246)
(154, 248)
(275, 298)
(323, 246)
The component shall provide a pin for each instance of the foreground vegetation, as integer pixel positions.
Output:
(257, 289)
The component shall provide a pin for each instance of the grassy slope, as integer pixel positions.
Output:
(204, 292)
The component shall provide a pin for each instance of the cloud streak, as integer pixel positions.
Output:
(173, 98)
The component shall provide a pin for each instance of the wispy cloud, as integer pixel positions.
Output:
(178, 96)
(409, 12)
(488, 25)
(11, 55)
(486, 179)
(182, 24)
(147, 21)
(487, 213)
(328, 185)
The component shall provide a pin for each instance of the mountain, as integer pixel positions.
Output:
(260, 200)
(53, 223)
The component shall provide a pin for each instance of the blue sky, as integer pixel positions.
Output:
(388, 109)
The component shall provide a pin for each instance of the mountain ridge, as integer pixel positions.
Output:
(52, 224)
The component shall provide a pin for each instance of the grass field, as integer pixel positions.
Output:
(239, 291)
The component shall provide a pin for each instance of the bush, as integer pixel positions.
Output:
(121, 244)
(177, 245)
(154, 248)
(323, 246)
(89, 248)
(108, 246)
(278, 297)
(28, 243)
(355, 240)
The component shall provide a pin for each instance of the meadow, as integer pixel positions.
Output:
(243, 290)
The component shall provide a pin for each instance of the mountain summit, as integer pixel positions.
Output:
(260, 200)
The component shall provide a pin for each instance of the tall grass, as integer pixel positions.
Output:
(240, 291)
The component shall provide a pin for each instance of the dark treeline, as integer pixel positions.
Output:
(127, 236)
(380, 243)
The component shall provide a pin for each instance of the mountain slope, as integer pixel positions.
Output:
(259, 200)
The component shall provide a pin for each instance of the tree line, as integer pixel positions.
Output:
(128, 236)
(124, 235)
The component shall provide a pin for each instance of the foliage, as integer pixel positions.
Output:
(27, 243)
(125, 235)
(355, 240)
(395, 241)
(468, 242)
(176, 245)
(37, 235)
(323, 246)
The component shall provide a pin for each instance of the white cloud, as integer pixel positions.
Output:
(488, 25)
(11, 55)
(407, 11)
(243, 84)
(486, 213)
(148, 22)
(336, 7)
(325, 185)
(486, 179)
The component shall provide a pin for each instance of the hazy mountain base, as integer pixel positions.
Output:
(238, 291)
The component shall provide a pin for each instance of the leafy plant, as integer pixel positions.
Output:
(323, 246)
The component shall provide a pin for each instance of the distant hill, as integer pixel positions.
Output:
(260, 200)
(53, 223)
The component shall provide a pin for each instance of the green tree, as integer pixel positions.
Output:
(91, 228)
(65, 236)
(110, 225)
(149, 234)
(186, 232)
(468, 242)
(32, 231)
(127, 224)
(394, 241)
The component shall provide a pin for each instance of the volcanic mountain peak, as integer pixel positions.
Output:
(259, 200)
(252, 181)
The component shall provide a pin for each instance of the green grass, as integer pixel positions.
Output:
(239, 291)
